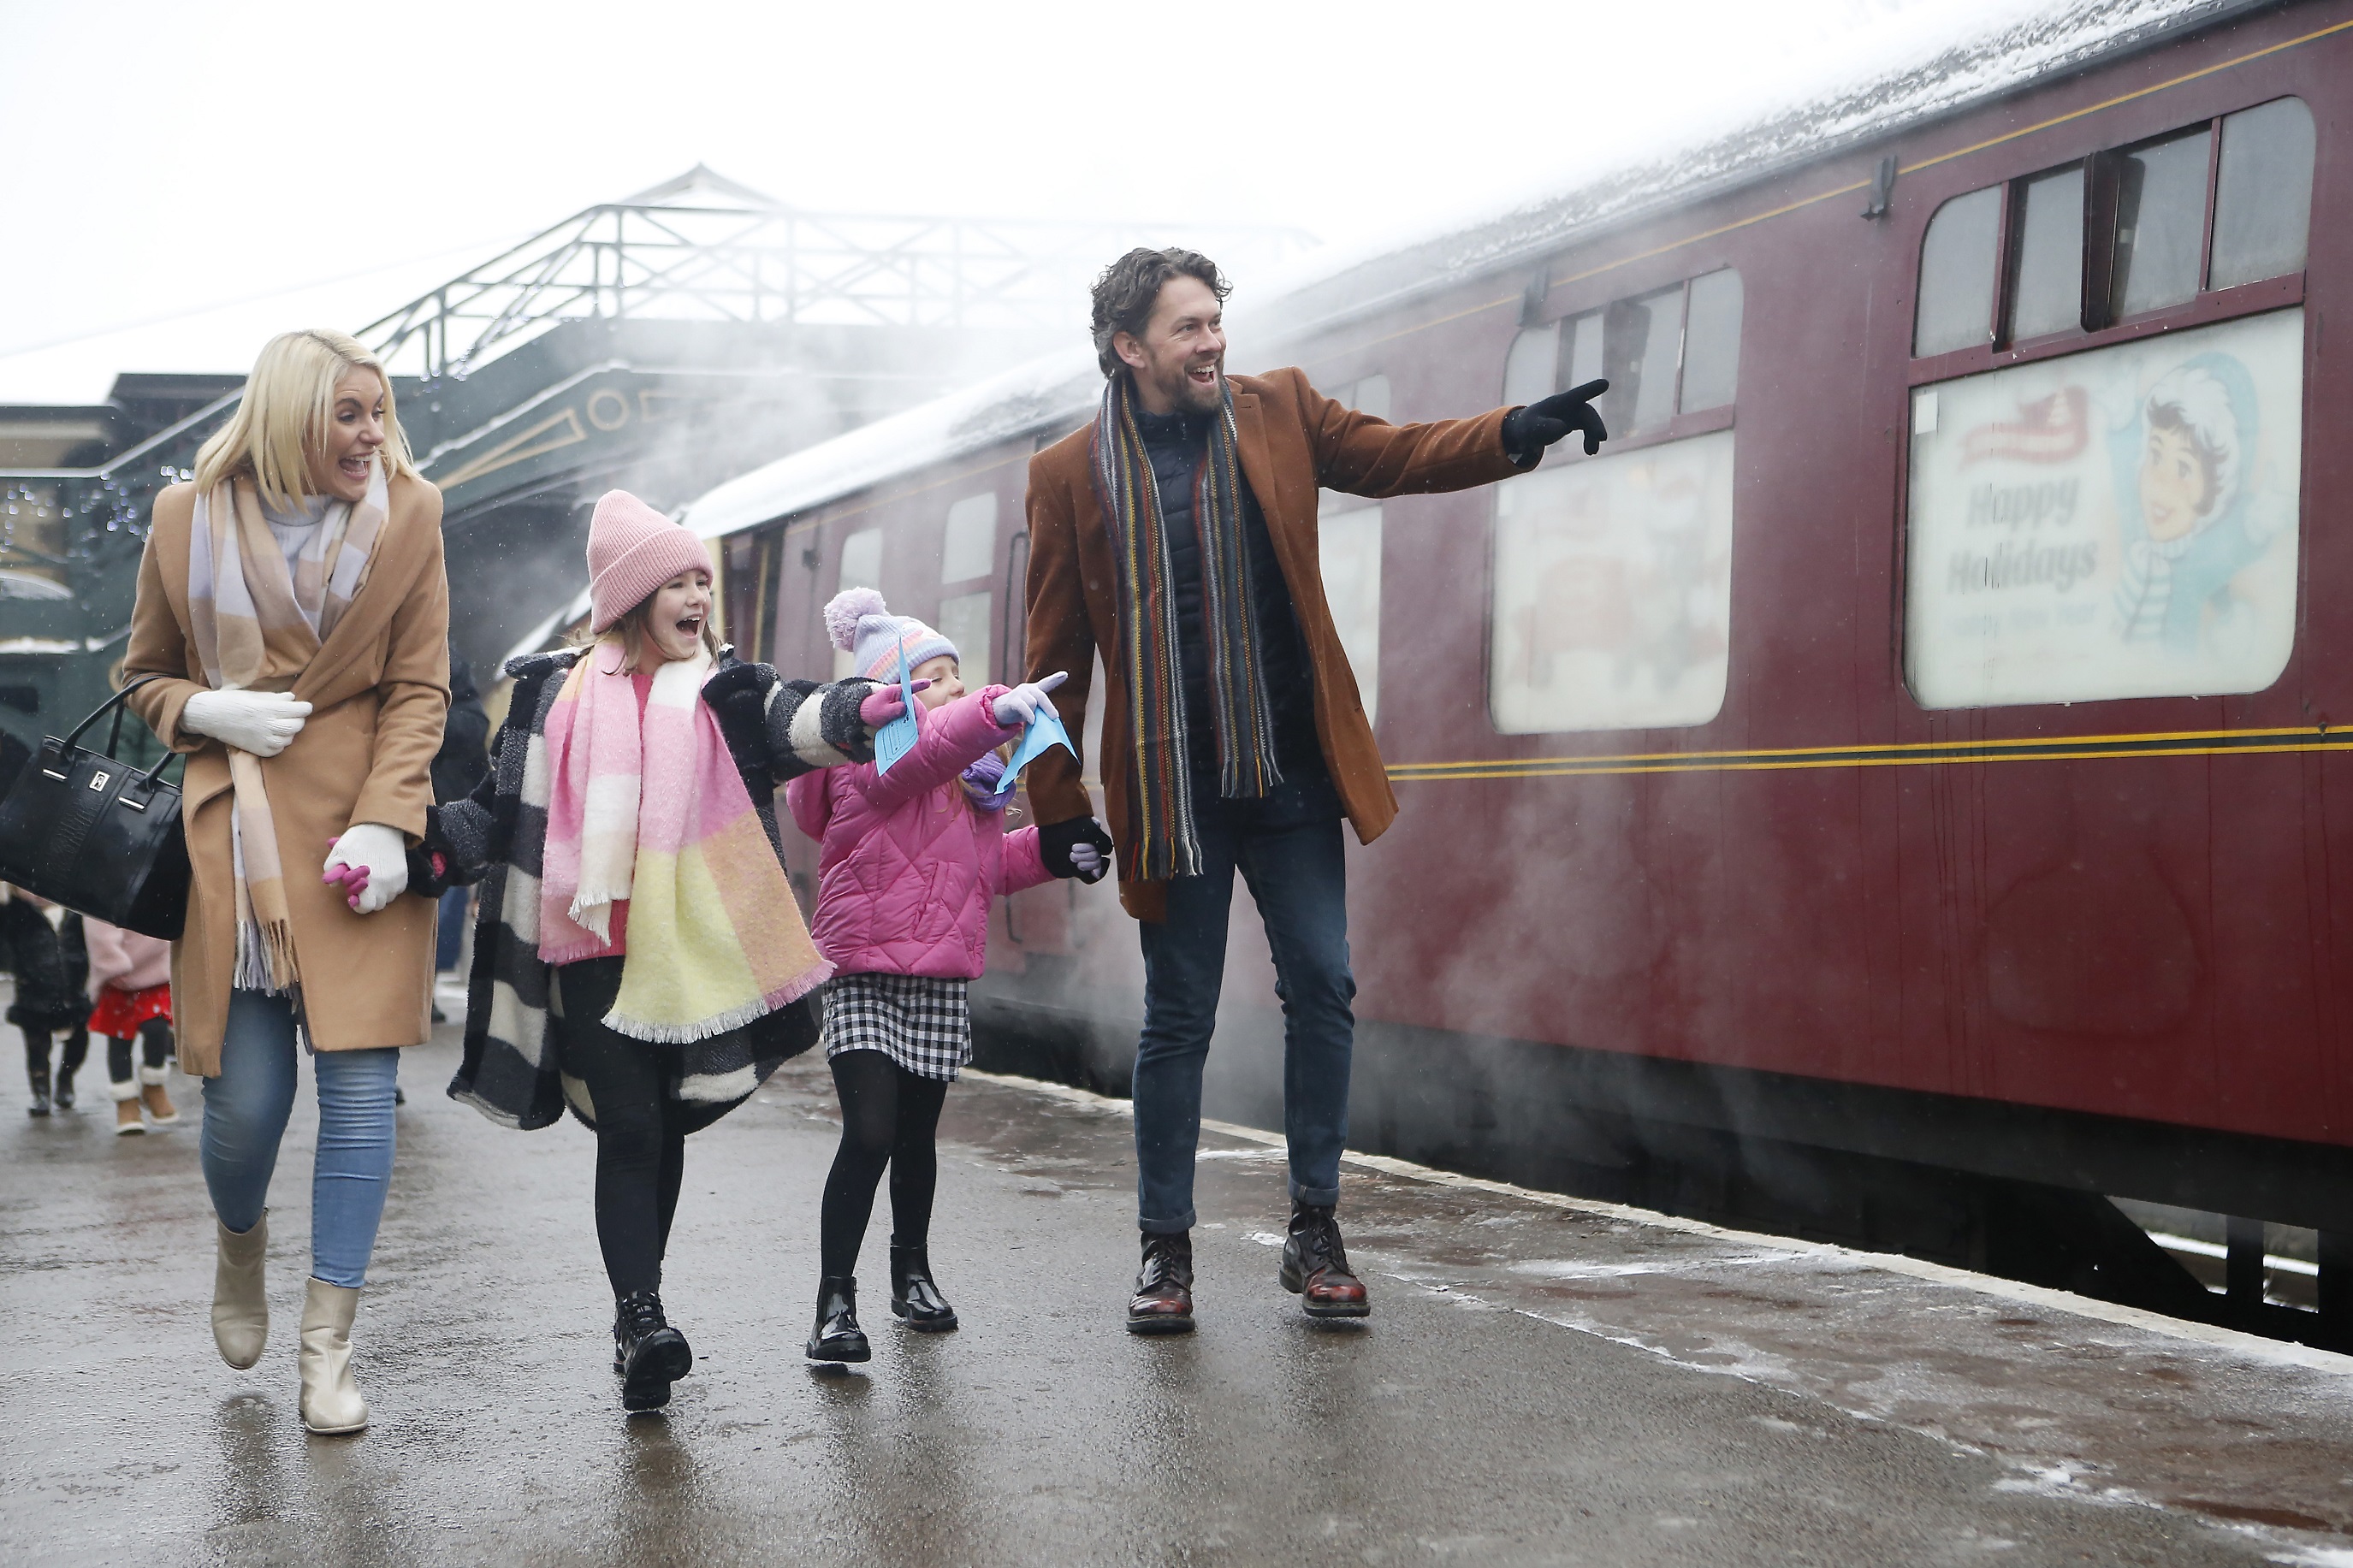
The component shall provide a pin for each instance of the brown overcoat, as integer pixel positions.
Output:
(1294, 441)
(378, 689)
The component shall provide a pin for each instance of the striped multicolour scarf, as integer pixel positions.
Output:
(1167, 846)
(648, 820)
(257, 625)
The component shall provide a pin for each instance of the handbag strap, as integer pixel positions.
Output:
(112, 705)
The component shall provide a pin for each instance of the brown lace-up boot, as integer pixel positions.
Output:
(1163, 1303)
(1316, 1266)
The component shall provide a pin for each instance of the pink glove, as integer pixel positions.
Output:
(883, 704)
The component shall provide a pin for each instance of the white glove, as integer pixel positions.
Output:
(1026, 701)
(371, 861)
(262, 722)
(1087, 859)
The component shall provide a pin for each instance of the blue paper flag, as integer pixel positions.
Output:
(897, 738)
(1038, 736)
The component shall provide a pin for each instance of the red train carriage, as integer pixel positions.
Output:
(1896, 791)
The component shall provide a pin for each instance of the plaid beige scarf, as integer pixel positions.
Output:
(257, 627)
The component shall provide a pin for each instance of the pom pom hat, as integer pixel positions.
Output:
(632, 551)
(863, 627)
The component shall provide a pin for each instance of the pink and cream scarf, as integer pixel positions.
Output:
(653, 848)
(257, 625)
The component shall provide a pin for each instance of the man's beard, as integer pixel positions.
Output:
(1184, 393)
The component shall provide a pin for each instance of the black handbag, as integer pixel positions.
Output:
(98, 836)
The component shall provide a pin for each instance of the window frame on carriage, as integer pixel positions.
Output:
(2101, 178)
(1554, 352)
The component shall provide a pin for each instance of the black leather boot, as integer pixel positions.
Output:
(914, 1298)
(648, 1353)
(836, 1336)
(64, 1095)
(1163, 1302)
(38, 1074)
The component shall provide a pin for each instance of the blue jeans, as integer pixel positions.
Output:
(1287, 848)
(246, 1108)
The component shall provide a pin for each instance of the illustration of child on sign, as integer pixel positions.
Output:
(2195, 520)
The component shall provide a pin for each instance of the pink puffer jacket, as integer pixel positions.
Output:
(906, 862)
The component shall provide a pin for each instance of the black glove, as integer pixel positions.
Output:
(740, 691)
(1055, 841)
(1528, 431)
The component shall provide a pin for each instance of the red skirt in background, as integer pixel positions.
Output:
(120, 1012)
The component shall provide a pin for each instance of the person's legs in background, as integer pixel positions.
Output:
(37, 1070)
(155, 1042)
(69, 1062)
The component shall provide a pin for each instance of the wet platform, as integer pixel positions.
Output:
(1544, 1381)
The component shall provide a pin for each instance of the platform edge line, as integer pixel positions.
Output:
(2254, 1346)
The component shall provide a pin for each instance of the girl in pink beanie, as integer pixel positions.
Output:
(638, 956)
(908, 861)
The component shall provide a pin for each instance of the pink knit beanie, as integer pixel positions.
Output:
(632, 551)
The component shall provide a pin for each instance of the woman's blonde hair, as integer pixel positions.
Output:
(629, 634)
(283, 418)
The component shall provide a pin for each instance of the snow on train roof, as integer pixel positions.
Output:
(1920, 78)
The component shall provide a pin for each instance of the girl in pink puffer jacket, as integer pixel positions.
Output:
(908, 862)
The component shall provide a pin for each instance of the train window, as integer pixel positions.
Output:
(1349, 544)
(2123, 234)
(2047, 292)
(861, 560)
(2160, 223)
(1584, 357)
(1370, 395)
(1640, 343)
(1712, 342)
(2262, 193)
(861, 567)
(2120, 523)
(970, 549)
(963, 621)
(1957, 268)
(1612, 590)
(1529, 368)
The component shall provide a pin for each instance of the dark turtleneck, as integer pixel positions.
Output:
(1176, 443)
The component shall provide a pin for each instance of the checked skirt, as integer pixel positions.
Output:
(922, 1023)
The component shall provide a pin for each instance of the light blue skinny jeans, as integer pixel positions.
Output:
(246, 1108)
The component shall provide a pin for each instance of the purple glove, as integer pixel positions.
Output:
(883, 704)
(985, 774)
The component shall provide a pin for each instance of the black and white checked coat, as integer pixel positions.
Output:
(513, 1066)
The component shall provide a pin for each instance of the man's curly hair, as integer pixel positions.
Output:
(1130, 287)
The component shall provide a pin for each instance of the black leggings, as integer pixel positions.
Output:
(640, 1135)
(889, 1116)
(70, 1060)
(154, 1034)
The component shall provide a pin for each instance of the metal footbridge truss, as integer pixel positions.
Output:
(664, 343)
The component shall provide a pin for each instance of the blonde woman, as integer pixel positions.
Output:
(292, 603)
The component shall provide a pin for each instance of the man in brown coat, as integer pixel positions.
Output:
(1176, 535)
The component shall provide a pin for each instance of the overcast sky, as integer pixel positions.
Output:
(181, 180)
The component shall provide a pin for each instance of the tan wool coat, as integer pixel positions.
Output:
(1294, 442)
(379, 689)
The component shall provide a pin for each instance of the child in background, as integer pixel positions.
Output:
(130, 981)
(908, 861)
(42, 945)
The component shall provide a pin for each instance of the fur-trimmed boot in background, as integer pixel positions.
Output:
(126, 1096)
(160, 1108)
(240, 1305)
(331, 1404)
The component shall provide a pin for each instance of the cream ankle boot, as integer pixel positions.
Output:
(241, 1308)
(331, 1395)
